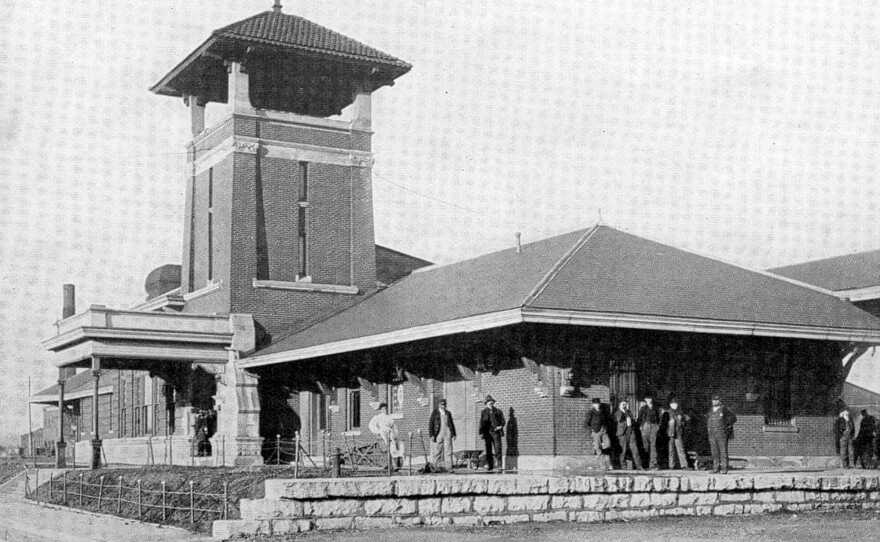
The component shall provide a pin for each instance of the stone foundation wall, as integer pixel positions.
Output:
(304, 505)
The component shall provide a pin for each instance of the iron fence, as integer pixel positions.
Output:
(112, 495)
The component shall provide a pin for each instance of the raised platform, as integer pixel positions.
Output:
(302, 505)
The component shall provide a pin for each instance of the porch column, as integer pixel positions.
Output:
(60, 445)
(96, 439)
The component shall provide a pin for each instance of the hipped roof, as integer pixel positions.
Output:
(600, 276)
(282, 33)
(848, 272)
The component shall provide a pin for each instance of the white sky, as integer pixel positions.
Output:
(747, 130)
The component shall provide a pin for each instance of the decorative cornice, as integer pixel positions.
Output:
(83, 333)
(282, 149)
(303, 286)
(83, 351)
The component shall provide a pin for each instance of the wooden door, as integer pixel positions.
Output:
(460, 402)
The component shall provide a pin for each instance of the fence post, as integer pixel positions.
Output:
(80, 489)
(64, 486)
(296, 455)
(50, 486)
(336, 463)
(100, 491)
(389, 470)
(37, 484)
(277, 449)
(192, 513)
(225, 499)
(140, 499)
(163, 500)
(119, 497)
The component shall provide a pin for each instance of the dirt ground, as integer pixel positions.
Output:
(808, 527)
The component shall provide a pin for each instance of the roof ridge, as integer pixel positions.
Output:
(557, 267)
(762, 272)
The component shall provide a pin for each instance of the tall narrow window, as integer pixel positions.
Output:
(303, 181)
(302, 221)
(303, 255)
(322, 411)
(354, 409)
(210, 224)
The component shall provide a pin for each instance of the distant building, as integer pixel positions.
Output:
(286, 317)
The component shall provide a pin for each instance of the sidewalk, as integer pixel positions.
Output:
(26, 521)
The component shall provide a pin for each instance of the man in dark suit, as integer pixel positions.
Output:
(649, 426)
(492, 429)
(675, 422)
(597, 424)
(719, 424)
(441, 429)
(626, 435)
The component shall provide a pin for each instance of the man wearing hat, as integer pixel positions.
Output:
(492, 429)
(597, 423)
(719, 424)
(626, 435)
(675, 423)
(441, 429)
(649, 426)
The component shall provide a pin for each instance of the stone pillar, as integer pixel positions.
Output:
(196, 114)
(237, 439)
(60, 445)
(238, 99)
(96, 436)
(362, 109)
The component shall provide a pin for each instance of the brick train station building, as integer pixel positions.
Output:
(286, 317)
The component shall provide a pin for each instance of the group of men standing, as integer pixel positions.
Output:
(857, 443)
(637, 434)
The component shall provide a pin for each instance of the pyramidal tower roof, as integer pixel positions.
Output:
(283, 36)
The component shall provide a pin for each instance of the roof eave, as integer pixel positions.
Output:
(567, 317)
(163, 86)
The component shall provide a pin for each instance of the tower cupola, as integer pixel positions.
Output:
(279, 214)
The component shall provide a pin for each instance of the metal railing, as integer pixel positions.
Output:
(348, 456)
(110, 496)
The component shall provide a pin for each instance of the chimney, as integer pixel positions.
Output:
(518, 242)
(69, 307)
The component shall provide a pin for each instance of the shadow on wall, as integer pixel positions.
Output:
(512, 434)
